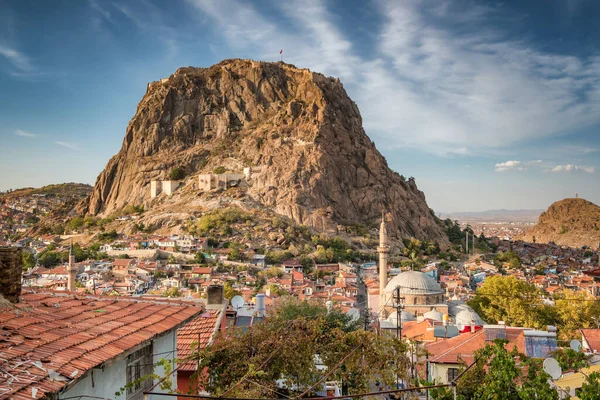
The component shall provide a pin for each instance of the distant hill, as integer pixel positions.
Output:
(568, 222)
(495, 216)
(70, 189)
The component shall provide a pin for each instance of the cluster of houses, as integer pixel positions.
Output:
(548, 266)
(17, 214)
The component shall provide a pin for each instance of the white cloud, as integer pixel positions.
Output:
(16, 58)
(510, 165)
(572, 168)
(426, 85)
(19, 132)
(67, 145)
(478, 87)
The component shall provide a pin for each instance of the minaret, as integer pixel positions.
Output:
(383, 250)
(71, 269)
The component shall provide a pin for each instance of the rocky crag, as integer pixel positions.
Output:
(297, 130)
(568, 222)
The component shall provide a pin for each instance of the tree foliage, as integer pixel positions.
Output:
(575, 310)
(518, 303)
(177, 174)
(509, 258)
(285, 347)
(590, 390)
(229, 292)
(499, 373)
(28, 260)
(569, 359)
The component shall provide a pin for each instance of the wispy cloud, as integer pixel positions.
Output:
(16, 58)
(150, 19)
(428, 84)
(475, 86)
(572, 168)
(67, 145)
(19, 132)
(511, 165)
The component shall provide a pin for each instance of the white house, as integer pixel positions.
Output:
(75, 365)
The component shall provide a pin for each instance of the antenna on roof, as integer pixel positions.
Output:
(237, 302)
(552, 368)
(575, 345)
(354, 314)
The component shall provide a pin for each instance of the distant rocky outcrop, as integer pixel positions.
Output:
(568, 222)
(298, 129)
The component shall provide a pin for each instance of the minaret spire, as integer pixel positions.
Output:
(383, 249)
(71, 269)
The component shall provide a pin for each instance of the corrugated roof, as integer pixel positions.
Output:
(70, 334)
(197, 334)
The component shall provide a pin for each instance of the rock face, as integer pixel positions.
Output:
(299, 131)
(568, 222)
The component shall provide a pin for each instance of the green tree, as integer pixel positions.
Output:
(282, 348)
(75, 223)
(199, 258)
(575, 310)
(590, 390)
(229, 292)
(177, 174)
(172, 292)
(518, 303)
(28, 260)
(569, 359)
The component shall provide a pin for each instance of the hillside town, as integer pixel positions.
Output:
(216, 293)
(381, 200)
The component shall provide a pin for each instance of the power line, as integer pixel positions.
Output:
(499, 295)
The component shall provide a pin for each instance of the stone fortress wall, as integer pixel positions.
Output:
(208, 182)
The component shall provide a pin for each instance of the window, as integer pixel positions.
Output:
(139, 369)
(452, 374)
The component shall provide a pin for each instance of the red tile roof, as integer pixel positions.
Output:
(592, 337)
(202, 330)
(122, 262)
(464, 345)
(71, 334)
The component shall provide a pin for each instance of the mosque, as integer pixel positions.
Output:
(421, 295)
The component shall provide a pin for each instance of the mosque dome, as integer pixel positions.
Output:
(434, 315)
(414, 283)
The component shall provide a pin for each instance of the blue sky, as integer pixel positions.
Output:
(487, 104)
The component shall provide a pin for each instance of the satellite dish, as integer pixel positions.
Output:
(237, 302)
(552, 368)
(575, 345)
(354, 314)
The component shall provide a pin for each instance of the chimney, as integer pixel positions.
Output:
(260, 305)
(215, 295)
(11, 268)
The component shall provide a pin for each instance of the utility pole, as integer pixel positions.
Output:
(399, 307)
(467, 242)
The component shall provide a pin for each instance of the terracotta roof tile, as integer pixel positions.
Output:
(464, 345)
(68, 333)
(198, 333)
(592, 337)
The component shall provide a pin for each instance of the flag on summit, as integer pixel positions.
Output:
(281, 51)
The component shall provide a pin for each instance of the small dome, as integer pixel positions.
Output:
(414, 282)
(463, 314)
(404, 317)
(434, 315)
